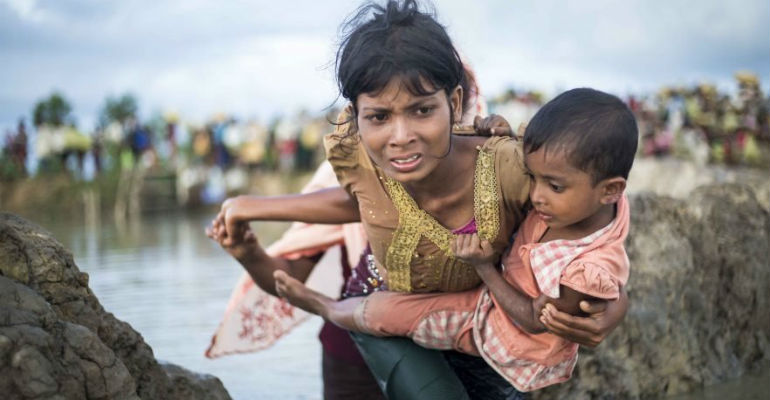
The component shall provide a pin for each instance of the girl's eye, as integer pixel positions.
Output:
(379, 117)
(424, 110)
(557, 188)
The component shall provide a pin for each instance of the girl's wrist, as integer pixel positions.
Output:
(253, 255)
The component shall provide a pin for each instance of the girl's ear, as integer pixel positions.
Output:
(456, 102)
(612, 189)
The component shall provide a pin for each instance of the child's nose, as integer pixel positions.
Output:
(536, 194)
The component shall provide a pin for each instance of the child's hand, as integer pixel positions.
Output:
(473, 250)
(493, 125)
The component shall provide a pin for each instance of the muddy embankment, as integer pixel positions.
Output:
(58, 342)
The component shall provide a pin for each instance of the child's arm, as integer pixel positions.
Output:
(589, 331)
(522, 309)
(326, 206)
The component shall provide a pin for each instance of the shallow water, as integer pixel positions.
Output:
(163, 276)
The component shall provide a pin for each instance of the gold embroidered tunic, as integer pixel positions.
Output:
(411, 249)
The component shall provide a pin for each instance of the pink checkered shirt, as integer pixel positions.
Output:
(525, 375)
(549, 259)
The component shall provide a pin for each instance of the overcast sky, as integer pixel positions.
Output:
(260, 58)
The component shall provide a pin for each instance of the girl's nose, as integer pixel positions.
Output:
(401, 134)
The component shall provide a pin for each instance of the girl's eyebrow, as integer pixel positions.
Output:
(376, 109)
(419, 101)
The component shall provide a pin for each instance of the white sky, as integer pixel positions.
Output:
(257, 59)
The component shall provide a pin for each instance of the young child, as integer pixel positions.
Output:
(579, 149)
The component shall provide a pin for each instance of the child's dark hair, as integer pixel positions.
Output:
(397, 40)
(597, 131)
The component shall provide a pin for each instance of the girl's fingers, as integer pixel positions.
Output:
(570, 322)
(593, 307)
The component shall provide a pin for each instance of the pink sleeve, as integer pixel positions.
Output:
(592, 279)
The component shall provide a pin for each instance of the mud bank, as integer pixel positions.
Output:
(58, 342)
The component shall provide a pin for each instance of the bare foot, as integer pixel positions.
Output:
(300, 295)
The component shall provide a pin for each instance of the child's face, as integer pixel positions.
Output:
(563, 196)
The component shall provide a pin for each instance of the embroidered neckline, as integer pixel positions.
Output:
(414, 223)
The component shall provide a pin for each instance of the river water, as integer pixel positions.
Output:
(163, 276)
(171, 283)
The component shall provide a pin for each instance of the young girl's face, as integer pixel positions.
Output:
(563, 196)
(404, 134)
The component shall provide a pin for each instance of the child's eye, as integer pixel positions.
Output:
(556, 188)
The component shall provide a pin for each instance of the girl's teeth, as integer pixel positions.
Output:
(406, 160)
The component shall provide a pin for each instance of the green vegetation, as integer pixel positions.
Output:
(54, 111)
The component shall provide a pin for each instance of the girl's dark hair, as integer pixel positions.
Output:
(396, 40)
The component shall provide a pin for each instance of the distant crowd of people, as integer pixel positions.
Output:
(287, 144)
(699, 123)
(704, 125)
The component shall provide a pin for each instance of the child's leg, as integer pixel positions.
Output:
(339, 312)
(434, 320)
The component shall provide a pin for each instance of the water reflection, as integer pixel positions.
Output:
(171, 283)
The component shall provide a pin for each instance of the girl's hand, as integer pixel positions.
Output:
(538, 304)
(242, 244)
(493, 125)
(603, 317)
(471, 249)
(230, 217)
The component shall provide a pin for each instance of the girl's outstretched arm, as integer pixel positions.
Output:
(326, 206)
(245, 248)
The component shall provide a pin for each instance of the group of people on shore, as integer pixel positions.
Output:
(698, 123)
(704, 125)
